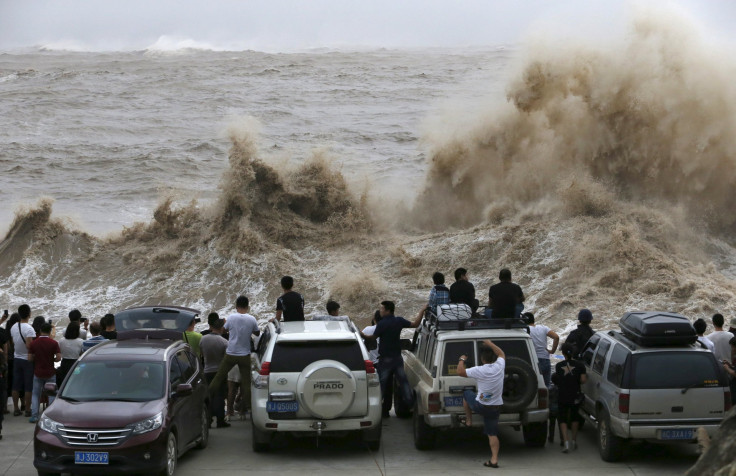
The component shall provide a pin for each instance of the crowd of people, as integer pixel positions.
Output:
(29, 352)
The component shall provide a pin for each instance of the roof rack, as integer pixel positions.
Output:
(461, 318)
(347, 319)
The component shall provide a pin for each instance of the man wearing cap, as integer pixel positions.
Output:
(580, 336)
(732, 326)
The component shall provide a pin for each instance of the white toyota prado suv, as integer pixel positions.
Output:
(312, 378)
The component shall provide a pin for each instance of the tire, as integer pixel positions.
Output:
(260, 440)
(172, 454)
(372, 438)
(535, 434)
(402, 408)
(611, 446)
(44, 473)
(204, 428)
(519, 385)
(425, 437)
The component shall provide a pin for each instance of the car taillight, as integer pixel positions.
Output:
(370, 372)
(261, 380)
(623, 402)
(726, 400)
(542, 398)
(433, 402)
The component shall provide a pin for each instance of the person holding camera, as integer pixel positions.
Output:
(22, 334)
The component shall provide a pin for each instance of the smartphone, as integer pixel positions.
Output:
(51, 322)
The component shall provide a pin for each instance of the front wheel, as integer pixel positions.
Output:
(610, 446)
(425, 436)
(171, 455)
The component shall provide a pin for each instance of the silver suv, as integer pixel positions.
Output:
(431, 365)
(313, 378)
(659, 393)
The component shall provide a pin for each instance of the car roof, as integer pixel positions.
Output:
(483, 334)
(134, 349)
(316, 330)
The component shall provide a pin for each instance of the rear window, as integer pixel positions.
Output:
(513, 348)
(674, 370)
(294, 356)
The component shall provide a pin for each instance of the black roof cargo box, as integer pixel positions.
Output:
(657, 328)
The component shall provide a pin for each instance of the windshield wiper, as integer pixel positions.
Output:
(684, 390)
(118, 400)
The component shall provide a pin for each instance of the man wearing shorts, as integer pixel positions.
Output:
(22, 334)
(487, 402)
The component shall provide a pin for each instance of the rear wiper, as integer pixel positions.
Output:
(684, 390)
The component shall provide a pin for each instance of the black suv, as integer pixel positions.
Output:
(131, 405)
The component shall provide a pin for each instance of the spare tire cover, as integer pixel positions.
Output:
(519, 385)
(326, 388)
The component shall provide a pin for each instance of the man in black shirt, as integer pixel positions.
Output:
(505, 298)
(390, 362)
(291, 303)
(578, 337)
(462, 290)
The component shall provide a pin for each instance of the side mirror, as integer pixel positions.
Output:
(50, 389)
(405, 344)
(183, 389)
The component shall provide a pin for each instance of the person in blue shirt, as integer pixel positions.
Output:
(390, 362)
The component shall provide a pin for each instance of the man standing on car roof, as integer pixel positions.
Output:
(290, 304)
(580, 336)
(487, 402)
(390, 362)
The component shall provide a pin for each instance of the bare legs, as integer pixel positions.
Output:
(495, 446)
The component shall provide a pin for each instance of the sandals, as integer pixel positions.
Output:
(488, 464)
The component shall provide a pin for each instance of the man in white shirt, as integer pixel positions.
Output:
(369, 330)
(700, 327)
(720, 339)
(488, 401)
(539, 336)
(22, 334)
(241, 326)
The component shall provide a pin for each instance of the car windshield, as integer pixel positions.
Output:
(118, 380)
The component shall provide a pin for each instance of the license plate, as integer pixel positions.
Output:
(91, 457)
(453, 401)
(282, 407)
(688, 434)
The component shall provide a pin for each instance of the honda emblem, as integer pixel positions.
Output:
(92, 437)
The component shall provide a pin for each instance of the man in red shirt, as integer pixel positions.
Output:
(43, 352)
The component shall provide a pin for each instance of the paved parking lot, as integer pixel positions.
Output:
(230, 453)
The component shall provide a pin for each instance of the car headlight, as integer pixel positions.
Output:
(149, 424)
(50, 426)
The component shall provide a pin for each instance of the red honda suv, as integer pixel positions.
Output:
(131, 405)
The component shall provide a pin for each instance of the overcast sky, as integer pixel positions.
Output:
(299, 24)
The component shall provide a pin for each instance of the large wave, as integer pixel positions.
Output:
(603, 182)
